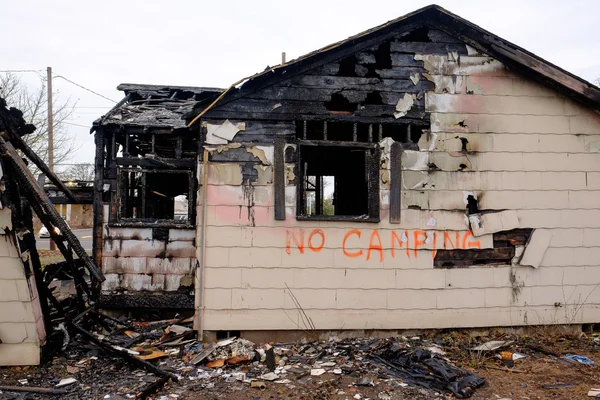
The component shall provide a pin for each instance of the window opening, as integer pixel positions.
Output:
(155, 195)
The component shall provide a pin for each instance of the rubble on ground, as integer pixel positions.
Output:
(118, 358)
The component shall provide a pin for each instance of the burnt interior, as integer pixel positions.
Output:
(155, 194)
(502, 253)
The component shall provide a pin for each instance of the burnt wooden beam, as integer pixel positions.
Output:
(395, 182)
(107, 347)
(36, 197)
(154, 162)
(336, 143)
(20, 144)
(328, 55)
(279, 180)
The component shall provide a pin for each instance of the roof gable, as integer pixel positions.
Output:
(431, 16)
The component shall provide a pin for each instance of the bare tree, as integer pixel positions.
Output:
(78, 172)
(34, 105)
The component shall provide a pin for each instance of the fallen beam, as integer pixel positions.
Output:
(21, 145)
(123, 354)
(32, 389)
(35, 195)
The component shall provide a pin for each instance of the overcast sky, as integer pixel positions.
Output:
(99, 44)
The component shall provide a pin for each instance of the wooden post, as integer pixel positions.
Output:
(50, 134)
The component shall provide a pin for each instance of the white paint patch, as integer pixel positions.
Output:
(404, 238)
(227, 130)
(431, 222)
(466, 195)
(415, 78)
(471, 51)
(269, 153)
(404, 105)
(415, 160)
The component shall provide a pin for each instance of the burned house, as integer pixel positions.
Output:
(422, 174)
(31, 313)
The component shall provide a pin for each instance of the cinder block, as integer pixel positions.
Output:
(361, 299)
(182, 235)
(136, 282)
(133, 248)
(176, 266)
(593, 180)
(223, 277)
(120, 265)
(127, 233)
(181, 250)
(111, 283)
(174, 282)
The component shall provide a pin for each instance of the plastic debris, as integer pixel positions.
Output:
(66, 382)
(579, 359)
(491, 345)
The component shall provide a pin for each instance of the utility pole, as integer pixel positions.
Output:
(50, 133)
(50, 122)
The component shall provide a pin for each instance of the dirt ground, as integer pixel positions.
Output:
(102, 377)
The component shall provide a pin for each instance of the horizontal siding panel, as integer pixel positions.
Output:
(402, 319)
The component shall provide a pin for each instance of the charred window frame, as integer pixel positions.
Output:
(338, 171)
(151, 195)
(154, 170)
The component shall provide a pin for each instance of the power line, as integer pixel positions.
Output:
(83, 87)
(70, 123)
(22, 70)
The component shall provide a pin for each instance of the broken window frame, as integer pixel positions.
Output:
(122, 196)
(372, 162)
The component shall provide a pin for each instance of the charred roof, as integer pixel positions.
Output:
(155, 105)
(432, 16)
